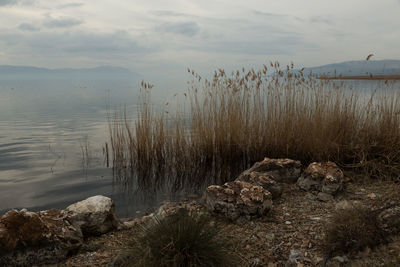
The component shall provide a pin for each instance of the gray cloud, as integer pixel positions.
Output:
(188, 29)
(8, 2)
(62, 22)
(17, 2)
(268, 14)
(169, 13)
(70, 5)
(323, 20)
(285, 45)
(28, 27)
(91, 45)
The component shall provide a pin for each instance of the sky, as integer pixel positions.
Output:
(164, 37)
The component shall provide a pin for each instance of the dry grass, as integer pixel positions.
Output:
(237, 119)
(352, 230)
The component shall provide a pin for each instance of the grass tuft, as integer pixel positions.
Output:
(352, 230)
(183, 239)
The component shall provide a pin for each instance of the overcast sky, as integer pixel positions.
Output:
(158, 35)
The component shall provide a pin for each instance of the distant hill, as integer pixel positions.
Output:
(103, 72)
(358, 68)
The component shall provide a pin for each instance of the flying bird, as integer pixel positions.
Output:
(369, 56)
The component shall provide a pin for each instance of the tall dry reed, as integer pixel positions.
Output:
(237, 119)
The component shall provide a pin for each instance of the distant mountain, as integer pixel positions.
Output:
(102, 72)
(356, 68)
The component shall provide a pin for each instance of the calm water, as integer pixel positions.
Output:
(43, 125)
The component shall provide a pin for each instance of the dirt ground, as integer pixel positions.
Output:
(296, 222)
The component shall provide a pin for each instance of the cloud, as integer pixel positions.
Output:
(70, 5)
(286, 45)
(187, 29)
(16, 2)
(28, 27)
(169, 13)
(322, 20)
(62, 22)
(8, 2)
(77, 43)
(268, 14)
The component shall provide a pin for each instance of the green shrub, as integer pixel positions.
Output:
(183, 239)
(352, 230)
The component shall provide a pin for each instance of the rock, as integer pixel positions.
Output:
(311, 196)
(170, 208)
(280, 170)
(134, 222)
(264, 180)
(238, 198)
(389, 220)
(94, 215)
(270, 237)
(294, 257)
(325, 177)
(256, 262)
(324, 197)
(343, 205)
(371, 196)
(340, 259)
(37, 238)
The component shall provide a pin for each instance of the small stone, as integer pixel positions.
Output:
(341, 259)
(256, 262)
(294, 256)
(316, 218)
(311, 196)
(318, 259)
(324, 197)
(288, 222)
(342, 205)
(261, 235)
(270, 236)
(371, 196)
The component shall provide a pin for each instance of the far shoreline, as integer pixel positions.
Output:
(361, 77)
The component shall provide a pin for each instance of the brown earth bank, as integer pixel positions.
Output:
(295, 223)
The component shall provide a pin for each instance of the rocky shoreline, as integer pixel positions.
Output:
(276, 209)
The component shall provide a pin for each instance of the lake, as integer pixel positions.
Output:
(45, 124)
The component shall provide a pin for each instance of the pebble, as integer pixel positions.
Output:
(341, 259)
(371, 196)
(256, 262)
(288, 222)
(270, 236)
(342, 205)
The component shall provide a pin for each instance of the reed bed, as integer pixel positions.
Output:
(223, 125)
